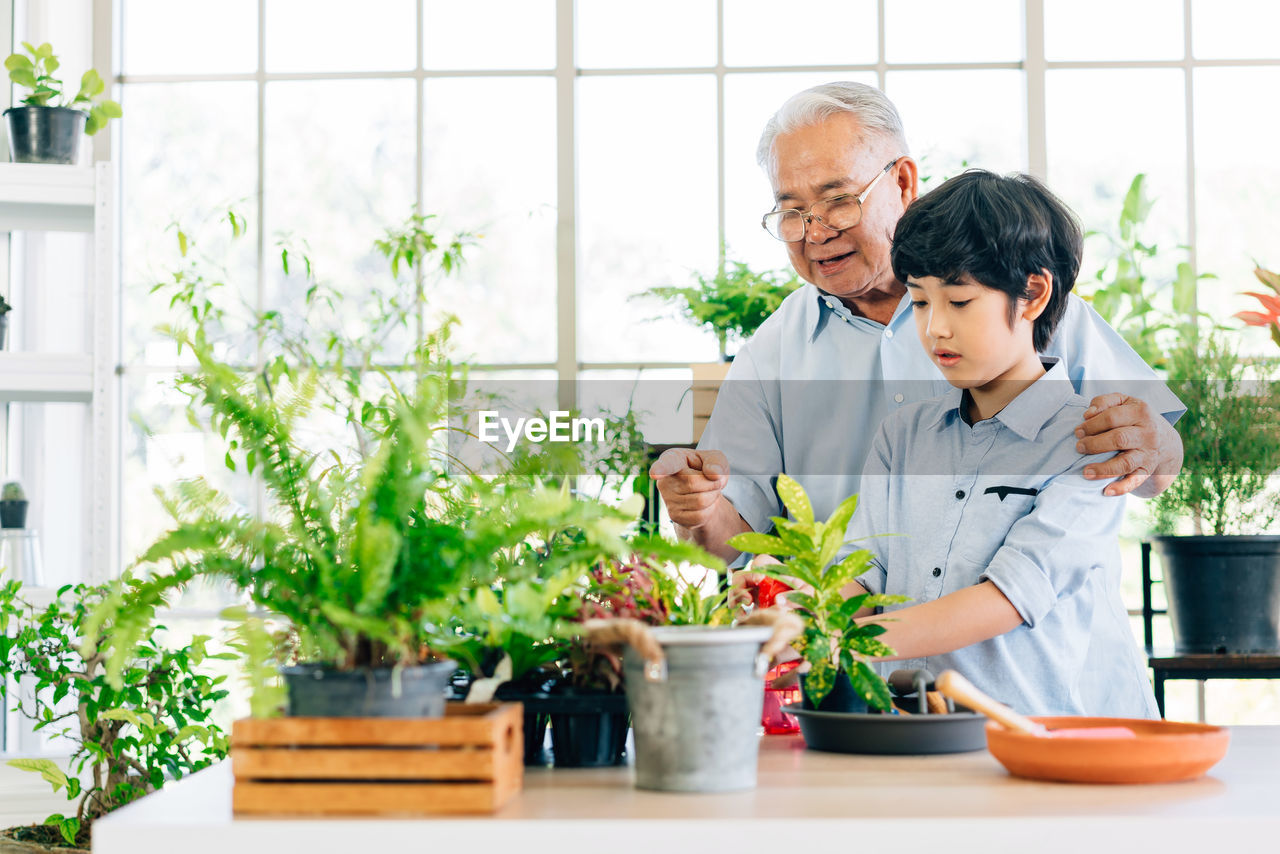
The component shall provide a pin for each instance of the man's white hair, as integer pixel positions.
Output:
(873, 110)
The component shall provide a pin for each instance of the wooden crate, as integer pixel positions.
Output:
(707, 377)
(469, 761)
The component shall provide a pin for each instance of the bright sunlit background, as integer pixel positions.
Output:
(602, 148)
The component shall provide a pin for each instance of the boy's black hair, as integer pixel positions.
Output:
(998, 230)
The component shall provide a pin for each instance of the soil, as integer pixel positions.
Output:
(42, 837)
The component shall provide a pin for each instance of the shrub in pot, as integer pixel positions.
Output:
(126, 740)
(13, 505)
(1222, 579)
(46, 127)
(836, 644)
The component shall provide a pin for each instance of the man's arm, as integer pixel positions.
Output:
(1148, 450)
(691, 484)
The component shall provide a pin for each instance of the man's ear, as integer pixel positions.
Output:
(908, 180)
(1039, 290)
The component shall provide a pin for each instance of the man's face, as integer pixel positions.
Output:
(825, 160)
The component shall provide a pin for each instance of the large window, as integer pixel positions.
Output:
(603, 148)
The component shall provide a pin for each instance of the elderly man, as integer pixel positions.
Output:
(806, 394)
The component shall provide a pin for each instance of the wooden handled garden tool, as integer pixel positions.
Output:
(961, 690)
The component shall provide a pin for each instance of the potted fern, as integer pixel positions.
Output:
(41, 130)
(732, 303)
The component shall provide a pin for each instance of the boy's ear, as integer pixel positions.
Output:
(1039, 290)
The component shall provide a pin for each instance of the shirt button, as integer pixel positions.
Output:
(937, 570)
(888, 333)
(897, 398)
(959, 493)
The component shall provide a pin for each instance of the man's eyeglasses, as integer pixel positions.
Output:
(836, 213)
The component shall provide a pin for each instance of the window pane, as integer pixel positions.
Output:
(476, 179)
(956, 119)
(497, 34)
(161, 447)
(656, 34)
(338, 185)
(335, 35)
(749, 101)
(1235, 29)
(946, 31)
(1235, 204)
(1104, 29)
(49, 291)
(756, 33)
(47, 450)
(660, 399)
(647, 212)
(163, 37)
(188, 154)
(1092, 172)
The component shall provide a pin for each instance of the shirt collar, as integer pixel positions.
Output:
(1027, 413)
(821, 305)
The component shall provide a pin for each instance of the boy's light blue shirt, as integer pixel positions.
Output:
(1005, 501)
(835, 376)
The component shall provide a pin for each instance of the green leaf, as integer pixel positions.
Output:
(23, 77)
(820, 679)
(794, 499)
(69, 827)
(45, 768)
(760, 544)
(91, 84)
(16, 61)
(868, 684)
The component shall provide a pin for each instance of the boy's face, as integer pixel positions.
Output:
(966, 331)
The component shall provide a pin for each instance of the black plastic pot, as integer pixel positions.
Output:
(13, 514)
(45, 134)
(841, 699)
(322, 692)
(4, 328)
(536, 720)
(1223, 592)
(588, 729)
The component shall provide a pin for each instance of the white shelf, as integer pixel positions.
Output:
(46, 377)
(40, 197)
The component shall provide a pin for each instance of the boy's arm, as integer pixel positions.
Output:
(959, 619)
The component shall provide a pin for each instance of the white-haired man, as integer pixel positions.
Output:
(806, 394)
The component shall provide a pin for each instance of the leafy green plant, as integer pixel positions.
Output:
(735, 301)
(1149, 314)
(12, 491)
(1230, 438)
(834, 642)
(5, 308)
(1269, 317)
(34, 71)
(153, 725)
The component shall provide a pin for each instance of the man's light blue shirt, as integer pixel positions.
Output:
(807, 393)
(1005, 501)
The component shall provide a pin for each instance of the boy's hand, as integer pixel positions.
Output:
(1144, 443)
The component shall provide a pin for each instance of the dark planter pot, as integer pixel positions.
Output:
(1223, 592)
(45, 134)
(536, 720)
(13, 514)
(4, 328)
(322, 692)
(841, 699)
(588, 729)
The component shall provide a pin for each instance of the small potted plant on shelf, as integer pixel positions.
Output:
(732, 303)
(836, 646)
(127, 740)
(5, 308)
(13, 505)
(44, 132)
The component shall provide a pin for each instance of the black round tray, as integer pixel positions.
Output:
(842, 732)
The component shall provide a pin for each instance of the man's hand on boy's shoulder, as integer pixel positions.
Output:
(1148, 451)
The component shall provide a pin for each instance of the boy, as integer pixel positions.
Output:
(1007, 551)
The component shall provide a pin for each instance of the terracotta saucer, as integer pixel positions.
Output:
(1163, 752)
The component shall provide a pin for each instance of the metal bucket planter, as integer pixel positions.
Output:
(1223, 592)
(697, 727)
(316, 691)
(45, 134)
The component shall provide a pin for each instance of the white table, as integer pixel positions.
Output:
(805, 801)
